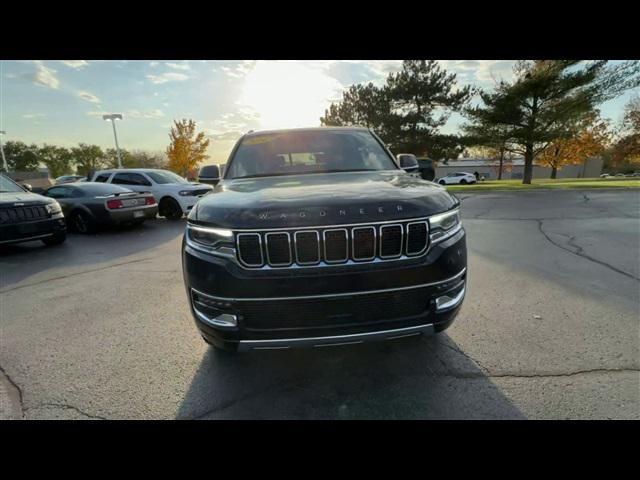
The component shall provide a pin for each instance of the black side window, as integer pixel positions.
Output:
(138, 179)
(103, 177)
(121, 179)
(130, 179)
(58, 192)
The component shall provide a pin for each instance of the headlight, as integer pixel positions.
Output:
(217, 241)
(184, 193)
(54, 208)
(444, 225)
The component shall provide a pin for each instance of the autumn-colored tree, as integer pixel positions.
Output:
(187, 149)
(590, 138)
(625, 154)
(547, 98)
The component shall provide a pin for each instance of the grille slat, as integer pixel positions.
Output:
(307, 245)
(336, 246)
(364, 243)
(417, 236)
(390, 241)
(250, 249)
(332, 245)
(278, 248)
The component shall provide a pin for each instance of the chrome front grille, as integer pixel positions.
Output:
(23, 214)
(331, 245)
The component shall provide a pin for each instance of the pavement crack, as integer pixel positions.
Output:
(469, 357)
(16, 386)
(67, 407)
(580, 253)
(563, 374)
(113, 265)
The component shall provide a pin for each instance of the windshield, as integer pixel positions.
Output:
(298, 152)
(7, 185)
(164, 176)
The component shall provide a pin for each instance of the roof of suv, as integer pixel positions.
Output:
(120, 170)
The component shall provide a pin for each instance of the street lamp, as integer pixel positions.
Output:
(113, 117)
(4, 160)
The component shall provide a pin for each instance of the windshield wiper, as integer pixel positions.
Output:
(257, 175)
(336, 170)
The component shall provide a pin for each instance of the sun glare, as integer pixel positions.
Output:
(288, 94)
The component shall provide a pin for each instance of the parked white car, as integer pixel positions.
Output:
(175, 195)
(461, 178)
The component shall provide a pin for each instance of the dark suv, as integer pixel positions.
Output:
(317, 237)
(26, 216)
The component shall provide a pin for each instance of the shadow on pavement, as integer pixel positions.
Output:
(413, 378)
(20, 261)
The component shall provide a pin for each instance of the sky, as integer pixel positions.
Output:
(61, 102)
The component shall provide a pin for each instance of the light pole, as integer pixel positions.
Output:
(113, 118)
(4, 160)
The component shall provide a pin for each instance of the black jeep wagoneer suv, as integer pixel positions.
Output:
(317, 237)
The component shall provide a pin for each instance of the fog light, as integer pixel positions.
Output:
(450, 300)
(222, 320)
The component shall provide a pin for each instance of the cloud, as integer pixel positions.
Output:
(77, 64)
(239, 70)
(45, 76)
(89, 97)
(178, 66)
(490, 71)
(154, 64)
(30, 116)
(156, 113)
(167, 77)
(137, 114)
(223, 136)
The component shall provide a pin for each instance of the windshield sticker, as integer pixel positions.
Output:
(259, 140)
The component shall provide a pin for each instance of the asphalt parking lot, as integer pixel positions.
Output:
(550, 329)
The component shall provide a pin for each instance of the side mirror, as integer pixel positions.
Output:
(408, 162)
(27, 187)
(209, 174)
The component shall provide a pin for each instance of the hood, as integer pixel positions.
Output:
(320, 199)
(9, 199)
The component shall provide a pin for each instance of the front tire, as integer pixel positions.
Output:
(442, 182)
(463, 182)
(170, 209)
(56, 239)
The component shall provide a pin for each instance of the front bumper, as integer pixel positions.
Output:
(321, 307)
(187, 202)
(28, 231)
